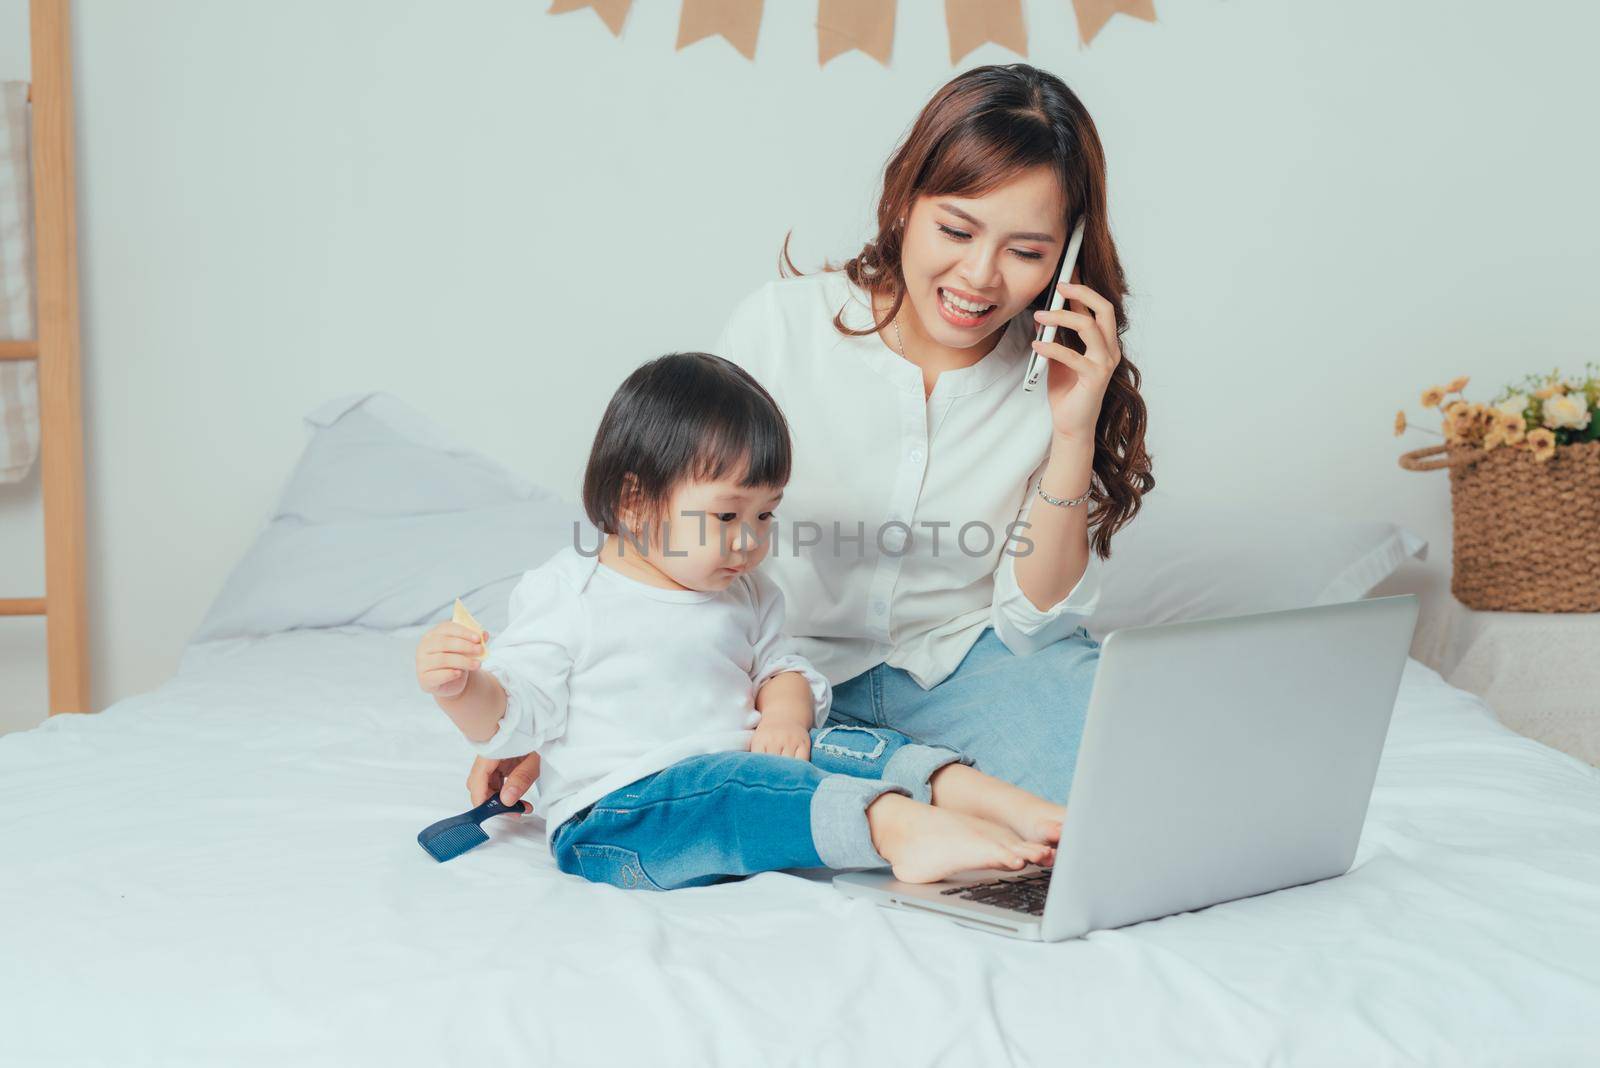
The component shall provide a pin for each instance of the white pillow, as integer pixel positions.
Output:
(383, 523)
(1180, 559)
(385, 520)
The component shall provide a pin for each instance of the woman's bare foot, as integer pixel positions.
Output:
(924, 844)
(964, 789)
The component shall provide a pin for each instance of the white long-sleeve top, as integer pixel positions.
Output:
(872, 448)
(611, 679)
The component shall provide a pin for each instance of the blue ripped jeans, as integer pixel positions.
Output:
(1020, 718)
(724, 815)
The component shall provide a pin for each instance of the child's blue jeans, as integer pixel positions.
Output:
(725, 815)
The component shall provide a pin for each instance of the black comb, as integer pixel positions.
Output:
(450, 838)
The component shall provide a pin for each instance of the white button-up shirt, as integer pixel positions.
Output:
(894, 542)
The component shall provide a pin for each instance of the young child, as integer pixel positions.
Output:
(681, 738)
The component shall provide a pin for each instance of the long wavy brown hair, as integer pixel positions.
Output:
(981, 130)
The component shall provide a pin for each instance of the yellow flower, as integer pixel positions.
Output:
(1457, 385)
(1399, 423)
(1512, 428)
(1542, 442)
(1432, 396)
(1547, 392)
(1492, 439)
(1461, 422)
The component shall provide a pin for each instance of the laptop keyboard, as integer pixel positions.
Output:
(1019, 893)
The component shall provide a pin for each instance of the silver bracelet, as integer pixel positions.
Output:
(1062, 502)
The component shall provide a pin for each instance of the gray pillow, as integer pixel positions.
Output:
(371, 455)
(383, 523)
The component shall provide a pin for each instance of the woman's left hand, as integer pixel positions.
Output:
(1077, 381)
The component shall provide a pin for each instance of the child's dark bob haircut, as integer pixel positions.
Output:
(682, 416)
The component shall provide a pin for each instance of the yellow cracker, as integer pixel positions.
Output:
(464, 617)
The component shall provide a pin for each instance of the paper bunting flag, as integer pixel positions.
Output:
(1094, 14)
(843, 25)
(737, 20)
(866, 25)
(976, 22)
(611, 12)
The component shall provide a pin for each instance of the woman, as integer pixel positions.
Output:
(937, 559)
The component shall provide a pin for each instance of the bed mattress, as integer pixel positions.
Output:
(225, 870)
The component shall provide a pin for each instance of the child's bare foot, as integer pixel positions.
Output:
(960, 788)
(924, 844)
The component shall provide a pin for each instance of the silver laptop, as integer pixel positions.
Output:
(1221, 758)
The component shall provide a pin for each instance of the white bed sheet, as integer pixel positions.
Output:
(225, 870)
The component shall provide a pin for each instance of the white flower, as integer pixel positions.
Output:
(1515, 404)
(1566, 410)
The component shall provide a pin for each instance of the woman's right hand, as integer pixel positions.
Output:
(511, 776)
(445, 657)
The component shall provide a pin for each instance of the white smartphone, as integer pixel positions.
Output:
(1058, 300)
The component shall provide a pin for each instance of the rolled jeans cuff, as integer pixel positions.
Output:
(839, 830)
(911, 766)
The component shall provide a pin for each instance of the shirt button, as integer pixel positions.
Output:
(879, 608)
(916, 456)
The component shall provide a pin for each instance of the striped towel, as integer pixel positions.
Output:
(19, 380)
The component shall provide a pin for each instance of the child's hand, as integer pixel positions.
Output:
(445, 655)
(781, 739)
(510, 778)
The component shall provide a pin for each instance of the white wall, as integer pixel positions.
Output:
(495, 212)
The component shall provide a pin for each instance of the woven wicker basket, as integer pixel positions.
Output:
(1527, 534)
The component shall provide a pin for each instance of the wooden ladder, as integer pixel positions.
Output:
(65, 604)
